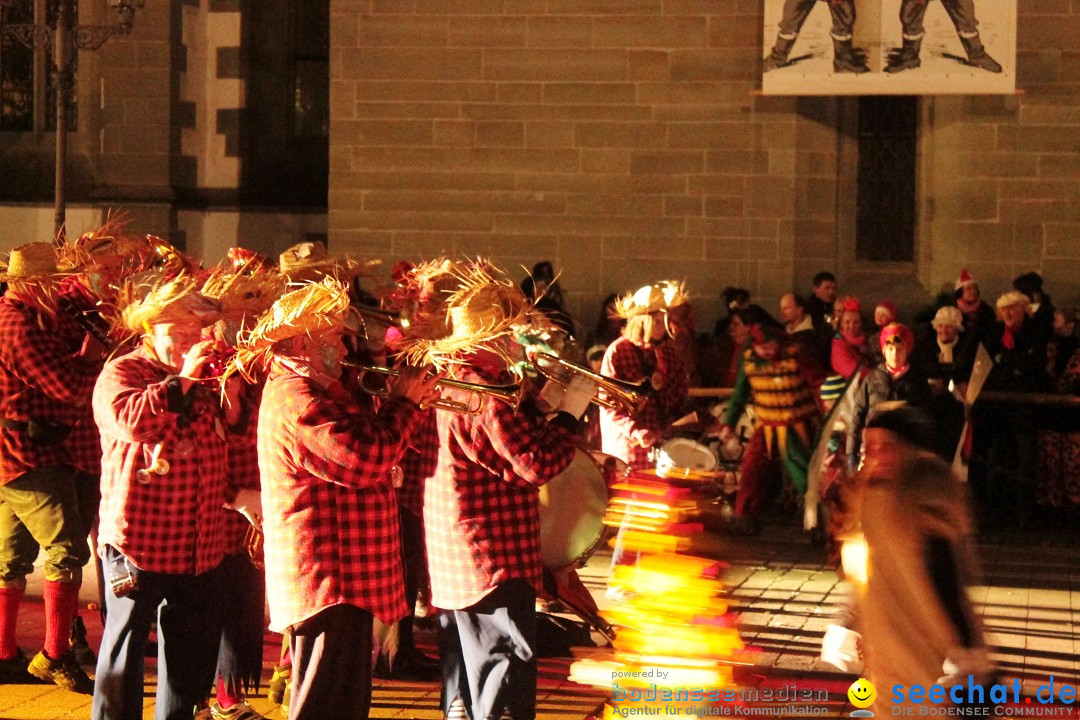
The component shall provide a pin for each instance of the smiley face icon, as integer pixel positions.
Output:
(862, 693)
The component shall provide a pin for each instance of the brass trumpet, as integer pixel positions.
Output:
(610, 393)
(510, 394)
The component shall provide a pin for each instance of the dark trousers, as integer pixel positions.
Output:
(488, 654)
(414, 557)
(242, 600)
(796, 12)
(961, 12)
(51, 508)
(187, 610)
(331, 655)
(759, 475)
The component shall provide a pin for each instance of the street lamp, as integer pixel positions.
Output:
(65, 39)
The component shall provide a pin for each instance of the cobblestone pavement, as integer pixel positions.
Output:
(784, 593)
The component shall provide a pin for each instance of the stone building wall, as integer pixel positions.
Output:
(625, 141)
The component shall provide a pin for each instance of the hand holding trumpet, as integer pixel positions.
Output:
(418, 384)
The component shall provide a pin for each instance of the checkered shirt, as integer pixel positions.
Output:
(419, 464)
(330, 518)
(243, 473)
(41, 378)
(482, 507)
(84, 443)
(626, 361)
(175, 523)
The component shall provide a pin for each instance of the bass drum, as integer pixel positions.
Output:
(572, 507)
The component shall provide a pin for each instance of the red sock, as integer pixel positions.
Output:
(226, 698)
(9, 612)
(61, 601)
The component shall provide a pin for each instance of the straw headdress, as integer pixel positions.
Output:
(241, 292)
(175, 300)
(312, 308)
(652, 298)
(483, 307)
(31, 262)
(309, 261)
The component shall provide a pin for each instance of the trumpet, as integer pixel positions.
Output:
(610, 393)
(510, 394)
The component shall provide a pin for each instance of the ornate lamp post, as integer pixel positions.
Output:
(64, 40)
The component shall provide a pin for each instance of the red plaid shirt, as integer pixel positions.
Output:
(243, 473)
(175, 523)
(419, 464)
(41, 378)
(84, 442)
(482, 507)
(330, 519)
(626, 361)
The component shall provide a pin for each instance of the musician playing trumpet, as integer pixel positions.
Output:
(165, 436)
(482, 507)
(642, 354)
(327, 461)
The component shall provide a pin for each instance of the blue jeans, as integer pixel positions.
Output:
(187, 611)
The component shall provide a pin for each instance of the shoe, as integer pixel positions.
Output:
(286, 698)
(13, 671)
(275, 689)
(240, 711)
(84, 654)
(906, 57)
(848, 59)
(64, 671)
(977, 55)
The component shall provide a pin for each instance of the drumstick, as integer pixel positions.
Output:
(691, 419)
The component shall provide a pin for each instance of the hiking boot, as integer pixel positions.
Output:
(977, 55)
(13, 671)
(275, 689)
(847, 59)
(240, 711)
(64, 671)
(906, 57)
(778, 58)
(84, 654)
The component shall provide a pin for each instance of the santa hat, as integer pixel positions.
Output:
(964, 280)
(889, 306)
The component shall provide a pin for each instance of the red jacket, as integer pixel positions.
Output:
(172, 522)
(626, 361)
(330, 518)
(482, 507)
(41, 378)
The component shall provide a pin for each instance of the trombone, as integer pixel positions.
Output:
(610, 393)
(511, 394)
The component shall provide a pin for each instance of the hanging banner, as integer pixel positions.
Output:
(889, 47)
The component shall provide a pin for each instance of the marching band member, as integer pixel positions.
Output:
(330, 522)
(245, 292)
(481, 508)
(46, 373)
(642, 354)
(165, 436)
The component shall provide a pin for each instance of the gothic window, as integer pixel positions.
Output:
(27, 84)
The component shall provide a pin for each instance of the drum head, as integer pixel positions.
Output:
(686, 453)
(572, 507)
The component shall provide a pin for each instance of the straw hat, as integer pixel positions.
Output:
(309, 261)
(33, 261)
(243, 293)
(313, 308)
(652, 298)
(175, 300)
(483, 307)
